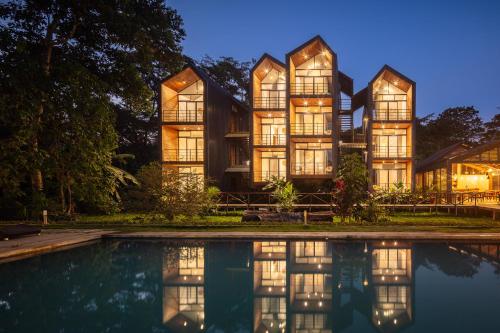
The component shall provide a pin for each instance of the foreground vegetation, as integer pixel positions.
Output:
(400, 222)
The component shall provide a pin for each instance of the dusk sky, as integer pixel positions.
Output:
(451, 48)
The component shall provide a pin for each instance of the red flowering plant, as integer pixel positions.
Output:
(350, 188)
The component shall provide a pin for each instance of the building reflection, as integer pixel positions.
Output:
(297, 286)
(183, 289)
(269, 278)
(310, 297)
(392, 283)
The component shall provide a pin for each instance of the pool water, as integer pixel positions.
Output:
(255, 286)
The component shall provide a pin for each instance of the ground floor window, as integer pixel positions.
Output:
(313, 158)
(390, 174)
(273, 164)
(475, 177)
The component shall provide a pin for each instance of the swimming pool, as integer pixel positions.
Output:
(255, 286)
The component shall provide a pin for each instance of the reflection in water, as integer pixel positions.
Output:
(261, 286)
(301, 286)
(269, 278)
(183, 292)
(392, 280)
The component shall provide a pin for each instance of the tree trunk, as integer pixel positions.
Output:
(63, 197)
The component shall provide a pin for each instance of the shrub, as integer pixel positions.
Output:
(372, 211)
(142, 198)
(185, 195)
(284, 192)
(351, 186)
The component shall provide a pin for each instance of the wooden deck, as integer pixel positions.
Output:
(47, 241)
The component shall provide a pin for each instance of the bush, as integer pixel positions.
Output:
(351, 185)
(284, 192)
(371, 210)
(142, 198)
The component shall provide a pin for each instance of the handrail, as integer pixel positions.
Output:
(311, 129)
(269, 102)
(325, 199)
(392, 114)
(183, 155)
(300, 169)
(269, 139)
(263, 176)
(391, 151)
(320, 88)
(182, 116)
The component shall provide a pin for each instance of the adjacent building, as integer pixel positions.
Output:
(460, 168)
(299, 123)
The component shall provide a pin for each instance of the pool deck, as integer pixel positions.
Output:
(47, 241)
(372, 235)
(54, 239)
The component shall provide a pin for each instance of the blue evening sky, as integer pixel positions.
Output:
(451, 48)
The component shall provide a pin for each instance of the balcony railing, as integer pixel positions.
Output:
(269, 102)
(300, 169)
(311, 129)
(264, 176)
(322, 88)
(392, 114)
(183, 155)
(269, 139)
(182, 116)
(386, 186)
(345, 104)
(391, 151)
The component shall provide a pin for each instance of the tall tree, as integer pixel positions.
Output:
(453, 125)
(492, 129)
(231, 74)
(67, 69)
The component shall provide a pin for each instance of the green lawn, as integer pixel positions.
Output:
(232, 222)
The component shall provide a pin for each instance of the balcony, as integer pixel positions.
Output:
(183, 155)
(320, 88)
(264, 176)
(388, 186)
(182, 116)
(392, 115)
(269, 103)
(391, 107)
(302, 169)
(391, 151)
(311, 129)
(269, 139)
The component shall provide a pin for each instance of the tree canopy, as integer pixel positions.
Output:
(78, 79)
(453, 125)
(229, 73)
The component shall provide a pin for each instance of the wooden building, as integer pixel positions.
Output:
(299, 125)
(204, 130)
(460, 168)
(302, 120)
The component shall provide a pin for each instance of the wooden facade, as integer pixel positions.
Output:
(204, 130)
(302, 114)
(299, 125)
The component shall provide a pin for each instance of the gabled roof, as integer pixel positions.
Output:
(442, 154)
(477, 150)
(271, 58)
(205, 78)
(310, 47)
(387, 68)
(456, 153)
(310, 41)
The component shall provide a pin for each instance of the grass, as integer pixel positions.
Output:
(424, 222)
